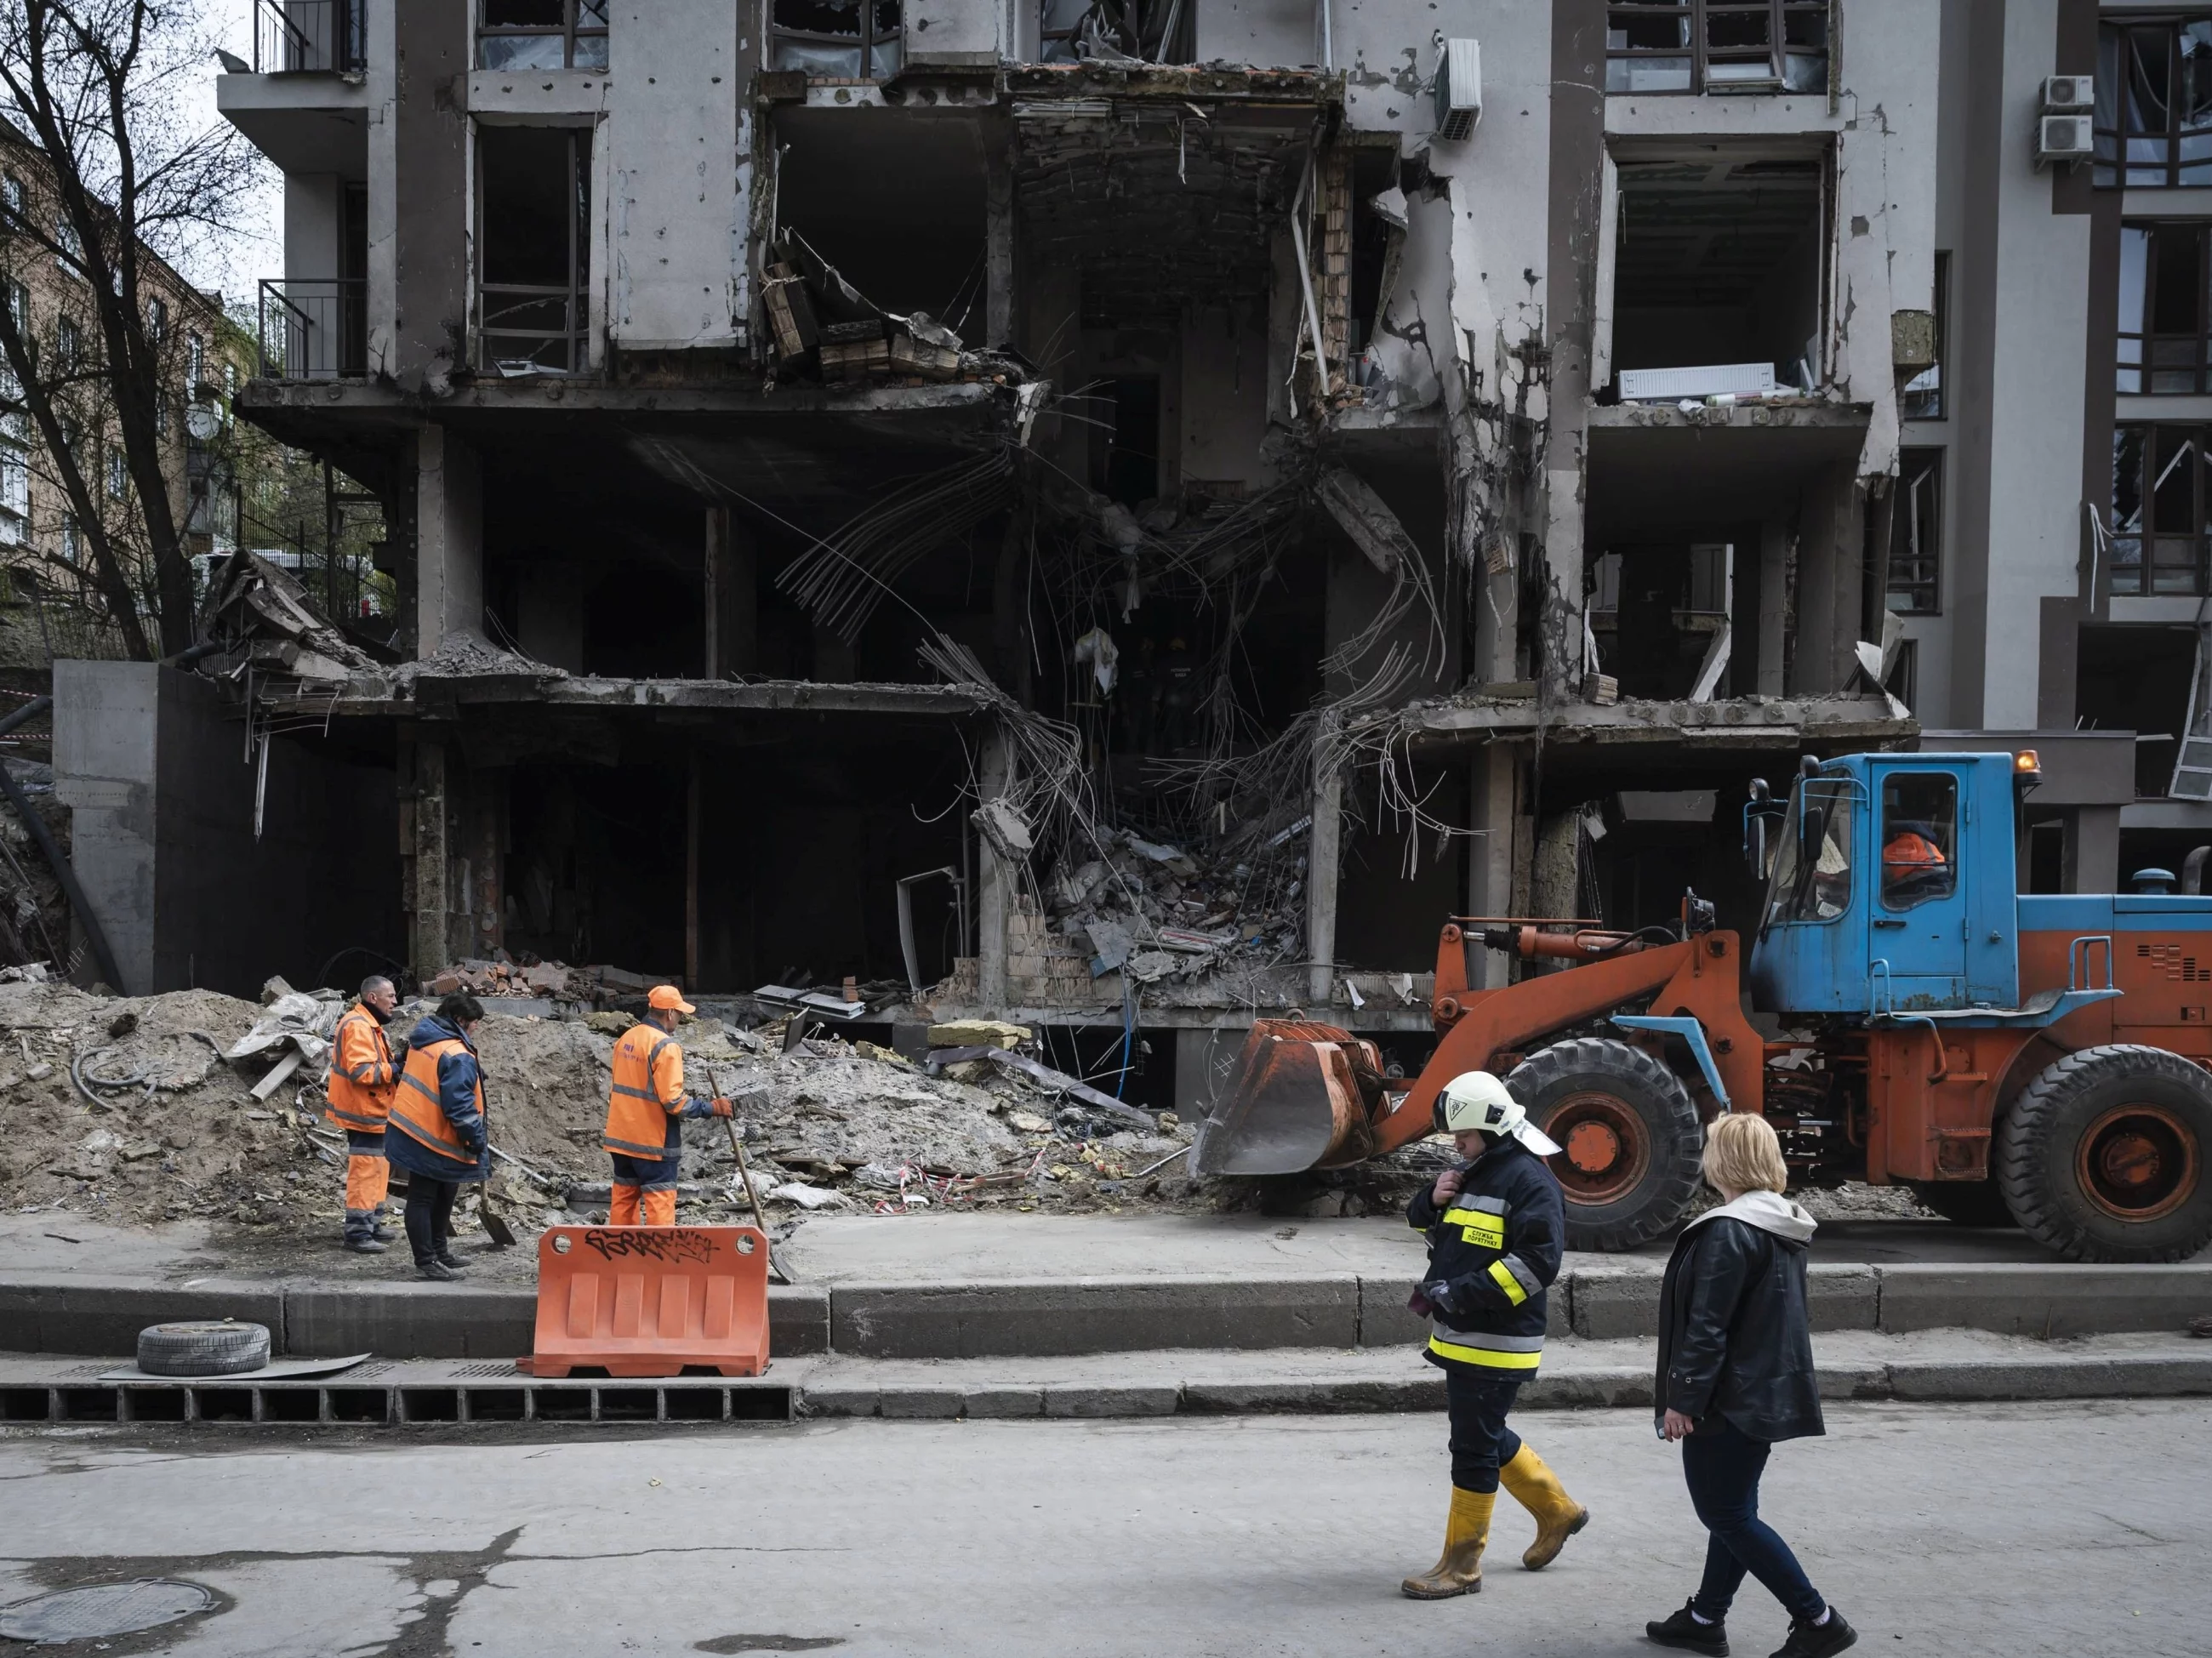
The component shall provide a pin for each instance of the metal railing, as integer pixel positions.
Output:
(308, 37)
(529, 328)
(315, 328)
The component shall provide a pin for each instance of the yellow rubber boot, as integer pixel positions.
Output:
(1460, 1570)
(1537, 1489)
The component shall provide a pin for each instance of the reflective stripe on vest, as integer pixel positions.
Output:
(1481, 1221)
(1491, 1353)
(416, 1109)
(637, 1117)
(348, 1102)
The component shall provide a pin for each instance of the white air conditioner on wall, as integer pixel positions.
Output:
(2063, 140)
(1459, 89)
(2064, 94)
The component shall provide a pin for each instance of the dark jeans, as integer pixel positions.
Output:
(1481, 1443)
(430, 1216)
(1722, 1464)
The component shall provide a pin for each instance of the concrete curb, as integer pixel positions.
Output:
(1047, 1317)
(2083, 1377)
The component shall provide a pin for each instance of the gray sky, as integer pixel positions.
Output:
(253, 246)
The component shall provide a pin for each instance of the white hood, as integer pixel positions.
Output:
(1768, 1211)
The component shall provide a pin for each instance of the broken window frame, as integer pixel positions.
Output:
(2139, 349)
(878, 52)
(581, 21)
(1719, 68)
(575, 296)
(1921, 398)
(2139, 552)
(1915, 579)
(1175, 41)
(2131, 151)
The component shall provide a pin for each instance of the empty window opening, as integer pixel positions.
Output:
(840, 39)
(2136, 678)
(904, 239)
(1659, 614)
(543, 34)
(1125, 455)
(1718, 261)
(1916, 534)
(533, 247)
(644, 623)
(1716, 46)
(2158, 509)
(2154, 120)
(1921, 398)
(2162, 309)
(1157, 30)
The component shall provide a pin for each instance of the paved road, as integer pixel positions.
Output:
(2077, 1530)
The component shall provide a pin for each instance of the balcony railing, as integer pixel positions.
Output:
(308, 37)
(315, 328)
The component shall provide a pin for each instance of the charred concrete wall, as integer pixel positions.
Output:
(164, 802)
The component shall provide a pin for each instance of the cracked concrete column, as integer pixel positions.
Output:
(996, 879)
(449, 593)
(430, 844)
(1491, 812)
(1324, 856)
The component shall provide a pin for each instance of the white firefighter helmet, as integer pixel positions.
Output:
(1476, 1100)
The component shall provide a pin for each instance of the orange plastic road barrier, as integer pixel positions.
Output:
(637, 1301)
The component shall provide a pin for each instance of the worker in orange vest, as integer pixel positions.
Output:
(358, 1093)
(646, 1108)
(444, 1138)
(1913, 866)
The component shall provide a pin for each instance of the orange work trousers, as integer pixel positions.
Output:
(635, 1206)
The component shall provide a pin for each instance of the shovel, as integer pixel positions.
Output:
(775, 1265)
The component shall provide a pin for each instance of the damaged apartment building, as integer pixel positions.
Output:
(1122, 516)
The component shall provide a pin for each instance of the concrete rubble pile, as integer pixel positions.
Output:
(195, 1105)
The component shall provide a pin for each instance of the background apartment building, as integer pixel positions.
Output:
(781, 411)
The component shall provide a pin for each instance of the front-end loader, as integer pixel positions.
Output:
(1906, 1016)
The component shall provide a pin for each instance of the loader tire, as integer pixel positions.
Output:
(1628, 1134)
(2102, 1156)
(203, 1347)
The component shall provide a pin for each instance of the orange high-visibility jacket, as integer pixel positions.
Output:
(1909, 852)
(416, 1109)
(363, 1075)
(648, 1096)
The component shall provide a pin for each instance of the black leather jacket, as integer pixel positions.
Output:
(1735, 1338)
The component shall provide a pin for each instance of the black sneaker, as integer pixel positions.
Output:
(365, 1245)
(452, 1263)
(1687, 1632)
(436, 1271)
(1817, 1640)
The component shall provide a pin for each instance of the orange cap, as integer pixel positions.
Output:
(667, 998)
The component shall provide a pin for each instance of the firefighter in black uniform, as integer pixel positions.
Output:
(1496, 1228)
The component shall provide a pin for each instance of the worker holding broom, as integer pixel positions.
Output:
(1497, 1228)
(646, 1108)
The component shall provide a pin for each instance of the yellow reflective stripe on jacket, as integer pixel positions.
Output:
(1490, 1357)
(1485, 1231)
(1501, 1275)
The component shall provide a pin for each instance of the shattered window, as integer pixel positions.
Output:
(1916, 534)
(2160, 508)
(1716, 46)
(2162, 344)
(2154, 120)
(1157, 30)
(543, 34)
(1922, 397)
(840, 39)
(535, 247)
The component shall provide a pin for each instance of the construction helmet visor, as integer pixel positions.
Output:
(1476, 1102)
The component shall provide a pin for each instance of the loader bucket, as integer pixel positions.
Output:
(1296, 1103)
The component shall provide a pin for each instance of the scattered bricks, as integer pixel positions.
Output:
(445, 984)
(978, 1033)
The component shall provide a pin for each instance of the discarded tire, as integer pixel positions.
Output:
(2102, 1156)
(1628, 1133)
(204, 1348)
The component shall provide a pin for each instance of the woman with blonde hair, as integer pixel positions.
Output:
(1735, 1374)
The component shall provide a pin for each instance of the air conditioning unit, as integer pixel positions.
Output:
(2064, 94)
(2063, 140)
(1459, 89)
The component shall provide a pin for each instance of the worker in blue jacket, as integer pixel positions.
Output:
(1496, 1227)
(440, 1131)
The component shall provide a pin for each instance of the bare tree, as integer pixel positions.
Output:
(129, 181)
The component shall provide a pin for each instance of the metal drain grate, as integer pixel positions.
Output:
(102, 1610)
(499, 1370)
